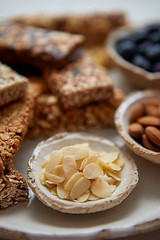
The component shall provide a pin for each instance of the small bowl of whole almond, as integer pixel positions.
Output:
(138, 122)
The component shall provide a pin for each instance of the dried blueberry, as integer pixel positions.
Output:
(153, 52)
(144, 46)
(141, 62)
(153, 27)
(155, 37)
(138, 36)
(126, 49)
(156, 67)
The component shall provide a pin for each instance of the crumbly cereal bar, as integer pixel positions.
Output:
(36, 46)
(12, 85)
(94, 26)
(14, 121)
(80, 83)
(13, 188)
(50, 118)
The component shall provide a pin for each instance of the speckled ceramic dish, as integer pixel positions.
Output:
(138, 76)
(122, 122)
(129, 174)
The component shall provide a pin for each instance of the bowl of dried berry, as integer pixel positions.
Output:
(136, 52)
(138, 122)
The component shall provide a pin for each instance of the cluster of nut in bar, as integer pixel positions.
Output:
(145, 124)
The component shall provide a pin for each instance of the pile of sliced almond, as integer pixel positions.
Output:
(145, 124)
(80, 174)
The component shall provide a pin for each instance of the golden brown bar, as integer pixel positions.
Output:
(80, 83)
(36, 46)
(12, 85)
(13, 188)
(50, 118)
(14, 120)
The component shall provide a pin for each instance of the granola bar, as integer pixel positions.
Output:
(80, 83)
(36, 46)
(14, 121)
(12, 85)
(13, 188)
(50, 118)
(93, 26)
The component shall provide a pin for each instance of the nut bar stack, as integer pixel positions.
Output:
(82, 98)
(80, 83)
(37, 47)
(14, 120)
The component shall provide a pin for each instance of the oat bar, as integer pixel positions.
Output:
(80, 83)
(12, 85)
(93, 26)
(14, 120)
(13, 188)
(36, 46)
(50, 118)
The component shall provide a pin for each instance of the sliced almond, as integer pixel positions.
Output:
(61, 192)
(84, 197)
(53, 178)
(115, 176)
(100, 188)
(114, 167)
(44, 164)
(82, 145)
(75, 177)
(93, 158)
(50, 184)
(120, 163)
(91, 171)
(110, 180)
(80, 187)
(55, 159)
(58, 170)
(76, 152)
(69, 166)
(92, 197)
(42, 177)
(79, 163)
(106, 158)
(54, 191)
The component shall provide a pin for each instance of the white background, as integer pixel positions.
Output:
(137, 10)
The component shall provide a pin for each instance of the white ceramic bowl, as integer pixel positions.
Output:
(122, 122)
(138, 76)
(129, 174)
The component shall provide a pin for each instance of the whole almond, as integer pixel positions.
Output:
(151, 110)
(158, 111)
(154, 102)
(146, 143)
(136, 130)
(153, 134)
(136, 112)
(149, 121)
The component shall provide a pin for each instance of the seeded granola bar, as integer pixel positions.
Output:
(13, 188)
(94, 26)
(80, 83)
(14, 121)
(50, 118)
(12, 85)
(36, 46)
